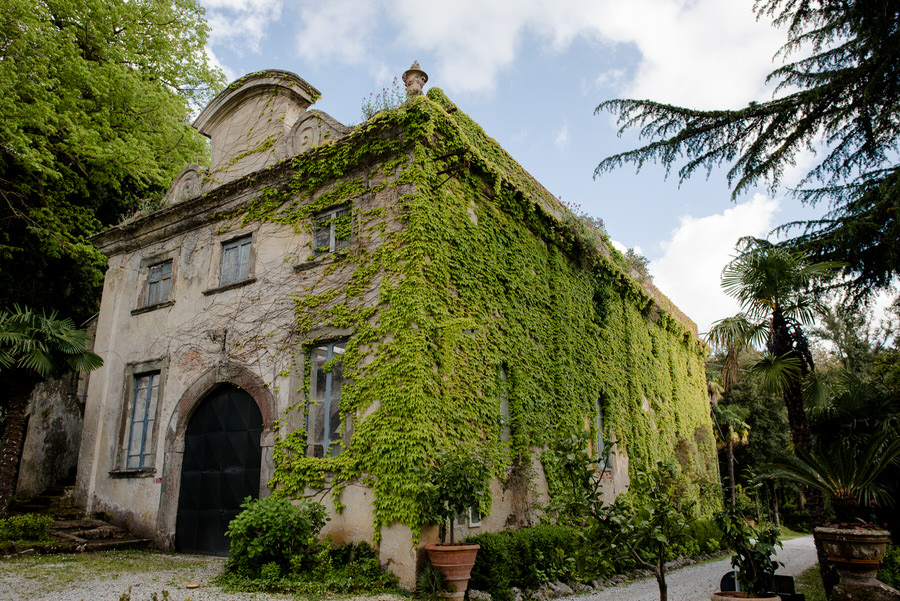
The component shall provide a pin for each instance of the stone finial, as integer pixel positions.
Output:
(414, 78)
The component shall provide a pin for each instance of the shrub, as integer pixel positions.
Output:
(706, 535)
(326, 568)
(273, 531)
(27, 527)
(889, 572)
(524, 558)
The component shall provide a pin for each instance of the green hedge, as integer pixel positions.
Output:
(524, 558)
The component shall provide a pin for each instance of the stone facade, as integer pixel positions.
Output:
(199, 299)
(50, 451)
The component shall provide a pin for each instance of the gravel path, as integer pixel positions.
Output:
(696, 582)
(34, 579)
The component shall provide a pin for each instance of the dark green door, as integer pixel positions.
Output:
(219, 469)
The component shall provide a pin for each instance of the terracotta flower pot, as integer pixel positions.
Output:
(731, 595)
(455, 563)
(855, 552)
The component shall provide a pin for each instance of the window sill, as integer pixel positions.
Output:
(142, 473)
(231, 286)
(322, 259)
(153, 307)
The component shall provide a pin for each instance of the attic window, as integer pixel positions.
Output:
(332, 231)
(158, 279)
(236, 260)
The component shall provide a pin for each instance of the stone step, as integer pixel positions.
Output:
(71, 530)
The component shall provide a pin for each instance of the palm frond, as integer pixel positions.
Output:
(44, 344)
(777, 373)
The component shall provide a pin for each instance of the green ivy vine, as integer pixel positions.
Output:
(467, 267)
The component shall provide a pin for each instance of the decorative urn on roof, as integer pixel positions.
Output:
(414, 78)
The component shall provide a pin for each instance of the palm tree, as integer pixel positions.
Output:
(732, 334)
(732, 429)
(771, 283)
(33, 347)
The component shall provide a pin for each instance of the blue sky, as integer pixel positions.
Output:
(531, 73)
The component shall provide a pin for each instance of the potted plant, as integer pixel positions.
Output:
(849, 476)
(753, 549)
(458, 482)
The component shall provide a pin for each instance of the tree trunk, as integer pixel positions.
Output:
(780, 344)
(13, 437)
(775, 506)
(661, 575)
(730, 448)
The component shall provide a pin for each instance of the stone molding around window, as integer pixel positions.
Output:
(147, 266)
(132, 370)
(230, 286)
(154, 307)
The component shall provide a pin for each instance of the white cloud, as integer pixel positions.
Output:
(701, 53)
(241, 23)
(691, 266)
(704, 54)
(337, 29)
(562, 137)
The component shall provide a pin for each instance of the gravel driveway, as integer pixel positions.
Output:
(696, 582)
(68, 578)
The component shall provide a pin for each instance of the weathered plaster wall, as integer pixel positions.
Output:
(50, 452)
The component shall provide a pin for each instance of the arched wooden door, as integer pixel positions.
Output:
(220, 468)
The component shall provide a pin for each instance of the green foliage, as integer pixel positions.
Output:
(524, 558)
(705, 535)
(638, 264)
(458, 481)
(753, 548)
(331, 569)
(850, 475)
(477, 271)
(27, 527)
(840, 96)
(889, 571)
(42, 344)
(96, 97)
(429, 584)
(574, 477)
(273, 532)
(653, 515)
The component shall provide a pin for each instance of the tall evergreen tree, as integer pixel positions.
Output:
(96, 97)
(842, 100)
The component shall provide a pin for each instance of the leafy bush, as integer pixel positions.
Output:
(753, 548)
(706, 535)
(27, 527)
(273, 531)
(889, 572)
(524, 558)
(348, 568)
(459, 480)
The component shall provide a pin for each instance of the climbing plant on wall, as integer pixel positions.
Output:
(463, 267)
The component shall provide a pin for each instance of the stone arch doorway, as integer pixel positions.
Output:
(220, 467)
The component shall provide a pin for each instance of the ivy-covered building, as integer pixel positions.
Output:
(325, 307)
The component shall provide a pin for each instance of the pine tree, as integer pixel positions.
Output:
(842, 100)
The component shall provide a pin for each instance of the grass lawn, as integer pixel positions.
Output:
(810, 584)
